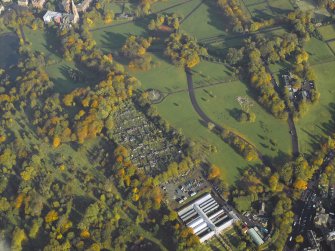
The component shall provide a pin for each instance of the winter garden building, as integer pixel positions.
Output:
(206, 217)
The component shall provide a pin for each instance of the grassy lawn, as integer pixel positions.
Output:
(318, 50)
(178, 110)
(309, 5)
(252, 2)
(43, 41)
(316, 122)
(207, 73)
(9, 44)
(59, 74)
(327, 31)
(163, 76)
(332, 45)
(112, 38)
(209, 20)
(167, 6)
(281, 6)
(271, 136)
(260, 11)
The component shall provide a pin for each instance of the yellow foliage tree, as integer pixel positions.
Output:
(214, 172)
(85, 234)
(56, 142)
(300, 184)
(51, 216)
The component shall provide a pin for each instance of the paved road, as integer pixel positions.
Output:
(305, 207)
(290, 121)
(207, 120)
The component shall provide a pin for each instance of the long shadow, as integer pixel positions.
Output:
(260, 15)
(235, 113)
(52, 42)
(217, 19)
(277, 11)
(112, 40)
(9, 55)
(315, 139)
(329, 127)
(280, 159)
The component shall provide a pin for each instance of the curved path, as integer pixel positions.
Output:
(290, 121)
(206, 119)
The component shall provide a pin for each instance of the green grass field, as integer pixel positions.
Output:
(58, 68)
(281, 6)
(178, 110)
(209, 20)
(327, 31)
(112, 38)
(271, 136)
(252, 2)
(208, 73)
(260, 11)
(332, 45)
(9, 44)
(43, 41)
(163, 76)
(318, 51)
(315, 123)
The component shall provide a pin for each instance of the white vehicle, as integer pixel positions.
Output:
(291, 238)
(295, 223)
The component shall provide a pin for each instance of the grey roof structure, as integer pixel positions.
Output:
(206, 217)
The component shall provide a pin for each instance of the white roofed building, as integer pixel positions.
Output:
(206, 217)
(51, 16)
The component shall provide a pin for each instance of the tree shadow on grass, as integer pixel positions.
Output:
(217, 19)
(235, 113)
(278, 11)
(278, 160)
(112, 40)
(52, 44)
(144, 22)
(80, 203)
(260, 15)
(314, 139)
(329, 127)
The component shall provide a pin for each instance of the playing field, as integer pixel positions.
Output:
(316, 122)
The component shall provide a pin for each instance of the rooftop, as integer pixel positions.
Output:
(206, 217)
